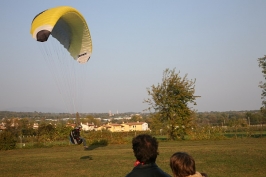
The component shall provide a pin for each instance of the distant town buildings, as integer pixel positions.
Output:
(113, 127)
(125, 127)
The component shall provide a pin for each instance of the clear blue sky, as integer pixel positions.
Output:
(215, 42)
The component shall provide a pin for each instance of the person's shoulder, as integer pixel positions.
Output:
(161, 172)
(132, 174)
(151, 173)
(198, 174)
(128, 175)
(164, 174)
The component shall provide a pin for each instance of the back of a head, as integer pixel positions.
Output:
(182, 164)
(145, 148)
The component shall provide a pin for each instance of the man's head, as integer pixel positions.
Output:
(78, 127)
(145, 148)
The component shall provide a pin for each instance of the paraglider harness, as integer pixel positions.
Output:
(75, 136)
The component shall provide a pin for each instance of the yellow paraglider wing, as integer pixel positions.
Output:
(68, 26)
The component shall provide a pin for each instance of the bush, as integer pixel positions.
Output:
(102, 142)
(206, 133)
(110, 137)
(7, 141)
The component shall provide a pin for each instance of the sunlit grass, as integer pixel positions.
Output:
(234, 157)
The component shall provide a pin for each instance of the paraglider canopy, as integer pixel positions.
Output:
(68, 26)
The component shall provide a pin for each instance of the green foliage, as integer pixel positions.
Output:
(207, 133)
(110, 137)
(262, 65)
(7, 140)
(46, 133)
(62, 132)
(136, 118)
(101, 142)
(157, 126)
(170, 100)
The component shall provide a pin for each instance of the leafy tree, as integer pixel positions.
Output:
(170, 99)
(156, 126)
(62, 132)
(26, 126)
(136, 118)
(262, 65)
(46, 132)
(90, 119)
(7, 140)
(235, 124)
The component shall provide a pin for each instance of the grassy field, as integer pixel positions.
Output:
(243, 157)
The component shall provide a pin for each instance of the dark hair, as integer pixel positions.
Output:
(145, 148)
(182, 164)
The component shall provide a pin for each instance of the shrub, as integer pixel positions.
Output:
(206, 133)
(102, 142)
(7, 141)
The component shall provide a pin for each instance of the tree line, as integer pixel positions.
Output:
(214, 118)
(169, 112)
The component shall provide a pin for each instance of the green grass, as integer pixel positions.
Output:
(234, 157)
(253, 134)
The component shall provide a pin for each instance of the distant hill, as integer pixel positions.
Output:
(33, 109)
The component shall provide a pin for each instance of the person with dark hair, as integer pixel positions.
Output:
(75, 137)
(145, 148)
(183, 165)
